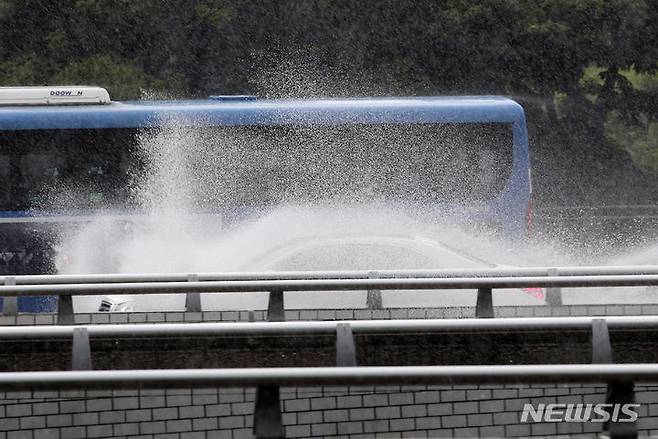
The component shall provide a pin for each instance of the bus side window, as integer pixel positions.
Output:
(95, 178)
(40, 174)
(486, 164)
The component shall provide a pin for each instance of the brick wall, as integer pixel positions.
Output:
(355, 412)
(396, 412)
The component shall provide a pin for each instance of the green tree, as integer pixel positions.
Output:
(123, 80)
(540, 52)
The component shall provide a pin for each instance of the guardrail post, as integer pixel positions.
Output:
(193, 300)
(10, 303)
(81, 354)
(601, 346)
(65, 314)
(374, 297)
(267, 408)
(484, 304)
(275, 307)
(619, 392)
(267, 413)
(345, 346)
(553, 294)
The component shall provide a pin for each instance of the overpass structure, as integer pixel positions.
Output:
(616, 351)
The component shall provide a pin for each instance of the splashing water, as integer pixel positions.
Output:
(188, 173)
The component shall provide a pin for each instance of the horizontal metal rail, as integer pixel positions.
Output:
(328, 376)
(358, 327)
(330, 284)
(353, 274)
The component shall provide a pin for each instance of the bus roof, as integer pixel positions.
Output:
(249, 111)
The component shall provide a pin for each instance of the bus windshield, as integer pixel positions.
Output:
(259, 165)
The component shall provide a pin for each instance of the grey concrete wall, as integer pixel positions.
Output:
(356, 412)
(395, 412)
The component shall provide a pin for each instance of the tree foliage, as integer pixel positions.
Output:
(576, 65)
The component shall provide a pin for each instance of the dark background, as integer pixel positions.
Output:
(585, 71)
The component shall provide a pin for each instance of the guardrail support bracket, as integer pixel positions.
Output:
(192, 299)
(553, 294)
(81, 352)
(619, 392)
(65, 314)
(275, 308)
(267, 410)
(484, 304)
(267, 413)
(345, 346)
(10, 303)
(374, 297)
(601, 347)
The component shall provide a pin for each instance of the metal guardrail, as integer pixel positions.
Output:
(329, 376)
(267, 416)
(343, 274)
(463, 283)
(484, 281)
(621, 378)
(193, 302)
(309, 328)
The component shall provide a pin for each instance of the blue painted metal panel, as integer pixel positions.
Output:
(263, 112)
(35, 304)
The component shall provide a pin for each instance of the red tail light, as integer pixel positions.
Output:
(534, 292)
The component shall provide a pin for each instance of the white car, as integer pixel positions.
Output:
(335, 253)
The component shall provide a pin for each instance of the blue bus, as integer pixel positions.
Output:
(69, 153)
